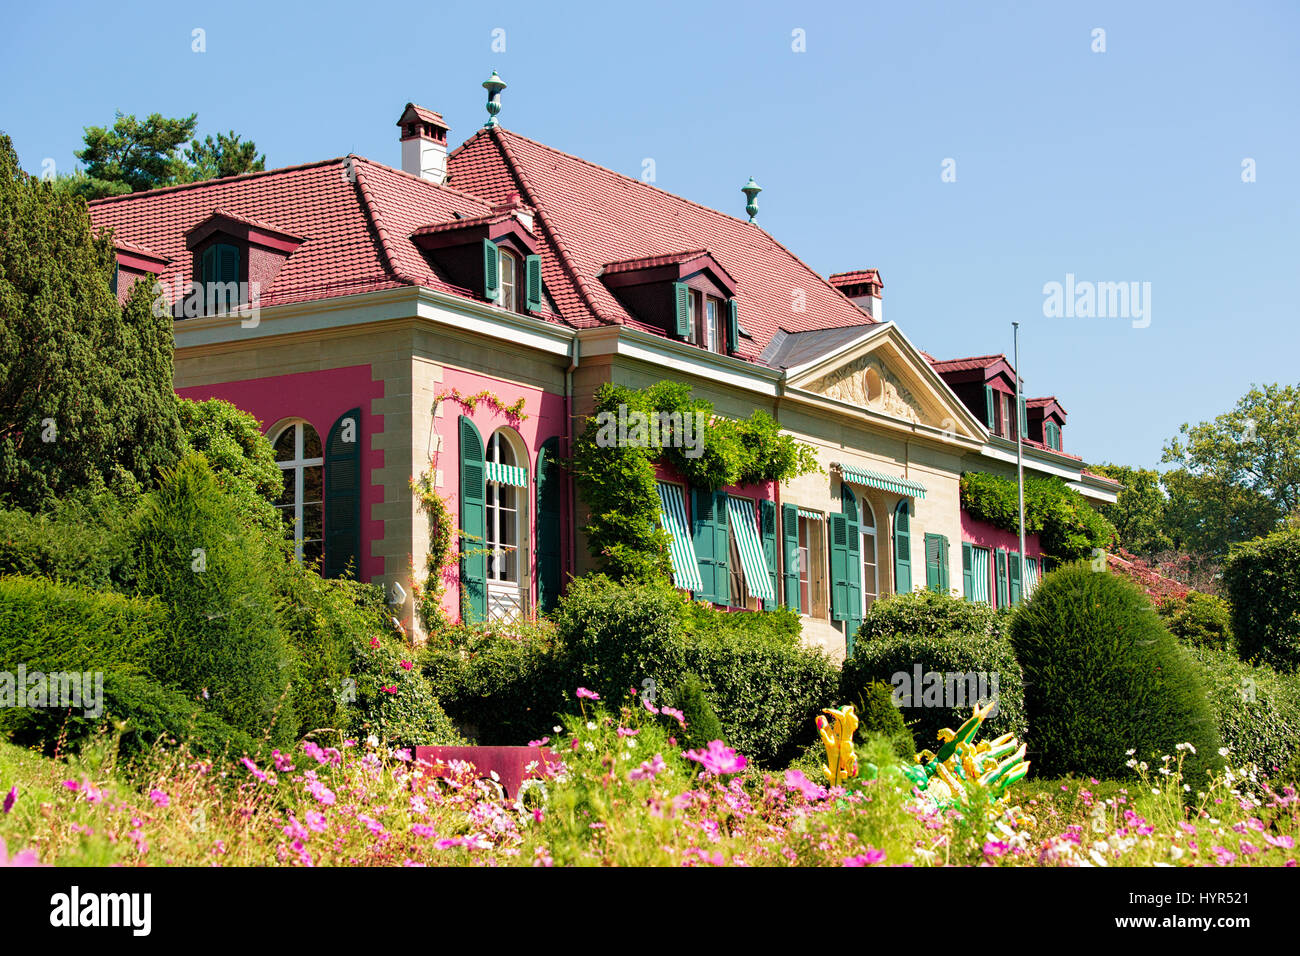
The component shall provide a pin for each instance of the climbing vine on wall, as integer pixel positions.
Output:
(613, 466)
(1067, 526)
(443, 527)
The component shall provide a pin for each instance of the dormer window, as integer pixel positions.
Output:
(687, 294)
(510, 270)
(1052, 436)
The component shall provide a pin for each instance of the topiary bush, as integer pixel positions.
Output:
(240, 455)
(928, 614)
(1262, 580)
(702, 724)
(218, 580)
(1199, 620)
(388, 697)
(1103, 676)
(936, 682)
(878, 715)
(1258, 710)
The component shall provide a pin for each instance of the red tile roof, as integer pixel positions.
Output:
(966, 364)
(1096, 477)
(589, 216)
(649, 262)
(856, 277)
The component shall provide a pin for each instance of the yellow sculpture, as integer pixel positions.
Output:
(841, 759)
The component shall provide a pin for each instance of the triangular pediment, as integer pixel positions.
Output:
(885, 375)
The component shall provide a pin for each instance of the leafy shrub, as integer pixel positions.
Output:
(878, 715)
(613, 638)
(77, 541)
(217, 579)
(47, 626)
(947, 671)
(702, 724)
(390, 698)
(1258, 710)
(1102, 675)
(142, 712)
(1067, 526)
(1262, 579)
(927, 614)
(240, 455)
(1199, 620)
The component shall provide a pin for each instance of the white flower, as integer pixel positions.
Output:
(1129, 753)
(591, 725)
(557, 729)
(1223, 751)
(372, 741)
(1186, 747)
(589, 745)
(1176, 852)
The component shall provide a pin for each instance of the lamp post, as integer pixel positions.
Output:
(1020, 455)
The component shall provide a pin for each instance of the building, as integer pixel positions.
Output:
(456, 316)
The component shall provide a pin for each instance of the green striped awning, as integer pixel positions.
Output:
(672, 514)
(875, 479)
(744, 522)
(810, 515)
(507, 474)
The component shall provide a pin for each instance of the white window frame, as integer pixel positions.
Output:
(509, 298)
(868, 532)
(298, 464)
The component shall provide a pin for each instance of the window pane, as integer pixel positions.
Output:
(287, 489)
(313, 483)
(284, 449)
(508, 281)
(310, 442)
(312, 525)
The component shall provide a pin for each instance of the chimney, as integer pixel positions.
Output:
(863, 289)
(424, 143)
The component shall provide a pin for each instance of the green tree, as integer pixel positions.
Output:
(224, 156)
(241, 458)
(1208, 513)
(1243, 467)
(134, 155)
(86, 400)
(1139, 513)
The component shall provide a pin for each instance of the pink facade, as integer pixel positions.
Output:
(542, 418)
(319, 398)
(984, 535)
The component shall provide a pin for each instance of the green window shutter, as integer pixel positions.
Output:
(967, 571)
(839, 535)
(473, 523)
(945, 580)
(491, 270)
(733, 327)
(721, 549)
(1002, 577)
(533, 271)
(227, 263)
(933, 556)
(790, 557)
(853, 580)
(902, 550)
(681, 310)
(342, 497)
(549, 525)
(1013, 577)
(767, 531)
(709, 533)
(1024, 420)
(990, 413)
(208, 266)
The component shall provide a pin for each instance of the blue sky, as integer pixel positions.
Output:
(1115, 166)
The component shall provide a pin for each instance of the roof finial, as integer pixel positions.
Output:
(751, 190)
(494, 85)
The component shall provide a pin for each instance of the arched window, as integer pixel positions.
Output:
(870, 564)
(506, 523)
(302, 466)
(509, 281)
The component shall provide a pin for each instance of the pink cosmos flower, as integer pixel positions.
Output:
(675, 714)
(390, 690)
(323, 794)
(72, 785)
(315, 821)
(1224, 855)
(649, 769)
(158, 798)
(870, 858)
(628, 731)
(282, 763)
(539, 743)
(718, 758)
(374, 642)
(10, 797)
(584, 694)
(407, 665)
(25, 858)
(252, 768)
(1283, 842)
(995, 849)
(795, 780)
(422, 830)
(649, 706)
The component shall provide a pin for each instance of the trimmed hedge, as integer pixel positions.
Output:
(878, 715)
(75, 542)
(1262, 579)
(1102, 675)
(390, 697)
(702, 724)
(948, 702)
(1258, 710)
(929, 614)
(1067, 526)
(764, 686)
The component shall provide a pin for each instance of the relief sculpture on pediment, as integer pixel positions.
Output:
(868, 383)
